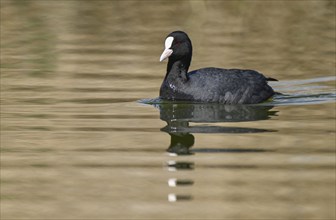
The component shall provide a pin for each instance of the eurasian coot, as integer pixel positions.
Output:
(229, 86)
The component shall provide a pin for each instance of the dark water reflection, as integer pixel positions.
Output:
(178, 116)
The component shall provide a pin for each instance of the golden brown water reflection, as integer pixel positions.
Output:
(77, 144)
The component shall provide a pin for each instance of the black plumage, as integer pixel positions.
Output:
(229, 86)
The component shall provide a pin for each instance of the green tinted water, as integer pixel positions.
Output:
(84, 137)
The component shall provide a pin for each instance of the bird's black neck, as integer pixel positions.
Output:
(177, 69)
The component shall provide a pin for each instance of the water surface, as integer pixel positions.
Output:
(83, 135)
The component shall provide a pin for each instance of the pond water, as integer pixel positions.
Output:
(83, 135)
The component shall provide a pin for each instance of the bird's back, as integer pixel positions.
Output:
(230, 86)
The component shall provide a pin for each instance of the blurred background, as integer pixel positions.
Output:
(76, 142)
(284, 39)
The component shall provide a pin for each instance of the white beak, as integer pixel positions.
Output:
(166, 53)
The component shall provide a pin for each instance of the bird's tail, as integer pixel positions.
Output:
(271, 79)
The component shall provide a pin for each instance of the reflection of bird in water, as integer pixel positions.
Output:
(180, 143)
(207, 113)
(178, 116)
